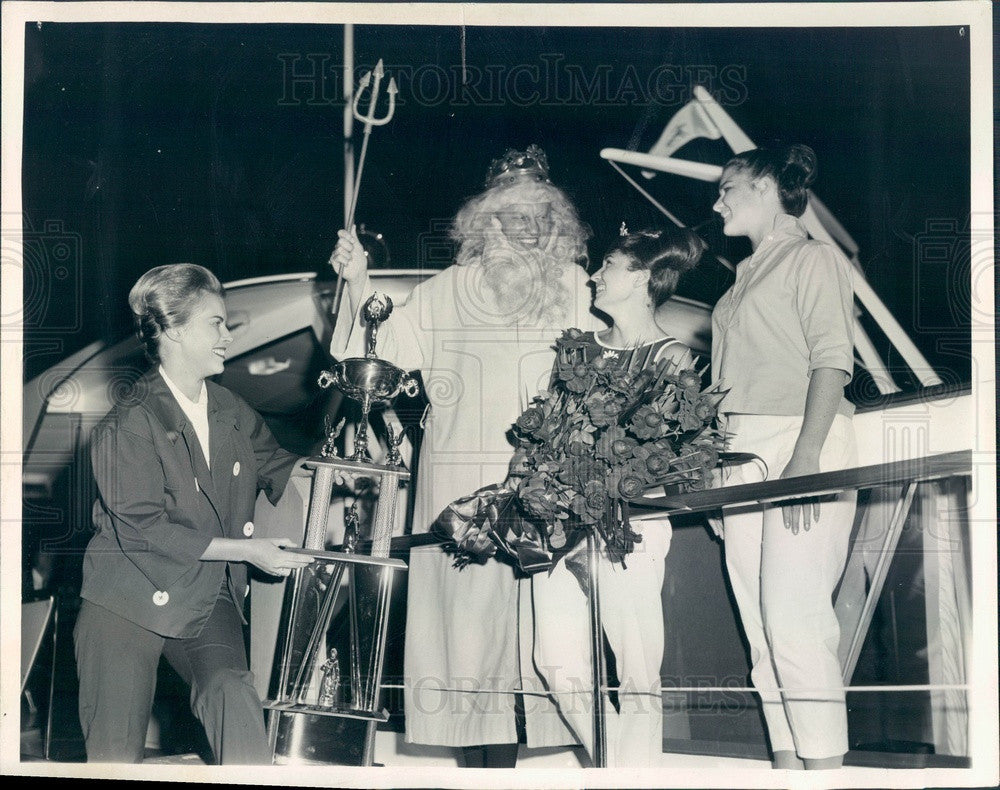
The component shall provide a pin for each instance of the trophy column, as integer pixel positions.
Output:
(327, 707)
(389, 480)
(333, 629)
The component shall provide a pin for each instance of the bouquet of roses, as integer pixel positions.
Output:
(600, 436)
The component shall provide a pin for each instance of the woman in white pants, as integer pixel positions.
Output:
(782, 344)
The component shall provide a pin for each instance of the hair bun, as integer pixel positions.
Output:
(793, 167)
(695, 247)
(800, 165)
(164, 296)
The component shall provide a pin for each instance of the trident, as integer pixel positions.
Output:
(369, 120)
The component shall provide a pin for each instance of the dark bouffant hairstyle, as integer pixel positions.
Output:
(163, 298)
(666, 254)
(793, 167)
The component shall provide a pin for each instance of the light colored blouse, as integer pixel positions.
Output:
(788, 313)
(194, 410)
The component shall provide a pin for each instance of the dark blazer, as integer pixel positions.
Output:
(159, 505)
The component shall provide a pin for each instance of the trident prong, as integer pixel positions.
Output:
(369, 120)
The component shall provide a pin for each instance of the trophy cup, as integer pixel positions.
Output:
(369, 379)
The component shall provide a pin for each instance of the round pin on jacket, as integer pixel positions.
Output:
(161, 598)
(236, 469)
(248, 529)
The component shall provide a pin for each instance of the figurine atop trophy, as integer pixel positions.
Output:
(369, 380)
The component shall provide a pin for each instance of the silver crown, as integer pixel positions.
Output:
(514, 166)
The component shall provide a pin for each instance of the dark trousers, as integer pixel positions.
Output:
(116, 662)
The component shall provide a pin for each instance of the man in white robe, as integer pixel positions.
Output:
(481, 332)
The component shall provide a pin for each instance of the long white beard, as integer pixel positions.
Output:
(526, 284)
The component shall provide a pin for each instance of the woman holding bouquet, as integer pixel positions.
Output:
(637, 276)
(782, 344)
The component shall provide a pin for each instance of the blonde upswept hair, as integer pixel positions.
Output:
(164, 298)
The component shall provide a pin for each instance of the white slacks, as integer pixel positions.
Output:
(783, 584)
(632, 615)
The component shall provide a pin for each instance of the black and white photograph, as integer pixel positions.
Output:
(479, 395)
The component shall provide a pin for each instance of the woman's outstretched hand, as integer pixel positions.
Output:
(269, 555)
(349, 259)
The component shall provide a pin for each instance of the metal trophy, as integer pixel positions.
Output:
(327, 700)
(369, 379)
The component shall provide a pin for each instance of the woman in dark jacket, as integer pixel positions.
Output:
(178, 466)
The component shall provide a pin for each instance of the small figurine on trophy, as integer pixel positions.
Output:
(352, 523)
(375, 311)
(369, 379)
(332, 433)
(394, 458)
(329, 688)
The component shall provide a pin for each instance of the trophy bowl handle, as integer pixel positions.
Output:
(409, 386)
(330, 379)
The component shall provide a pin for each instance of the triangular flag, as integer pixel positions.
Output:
(688, 123)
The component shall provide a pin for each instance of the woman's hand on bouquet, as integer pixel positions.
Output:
(349, 259)
(800, 512)
(270, 556)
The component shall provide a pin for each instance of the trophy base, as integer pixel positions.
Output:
(309, 736)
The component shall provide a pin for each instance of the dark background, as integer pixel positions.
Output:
(155, 143)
